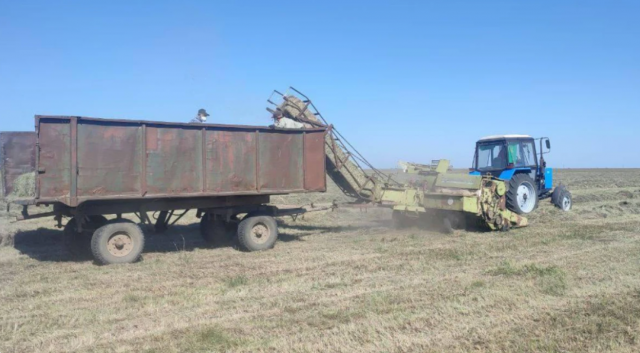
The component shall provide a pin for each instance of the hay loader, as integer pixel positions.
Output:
(455, 200)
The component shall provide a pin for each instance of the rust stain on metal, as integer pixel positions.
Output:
(54, 163)
(174, 166)
(314, 162)
(17, 157)
(231, 161)
(203, 166)
(116, 159)
(74, 170)
(143, 160)
(280, 155)
(108, 159)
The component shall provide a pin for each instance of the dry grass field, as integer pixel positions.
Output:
(344, 281)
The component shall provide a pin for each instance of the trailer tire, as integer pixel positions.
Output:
(77, 243)
(522, 196)
(117, 243)
(257, 233)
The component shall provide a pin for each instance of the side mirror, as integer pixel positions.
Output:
(548, 143)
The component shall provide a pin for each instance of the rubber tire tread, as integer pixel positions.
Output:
(512, 193)
(564, 193)
(102, 234)
(567, 193)
(557, 195)
(244, 233)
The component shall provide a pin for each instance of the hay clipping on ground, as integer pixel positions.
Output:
(7, 237)
(24, 186)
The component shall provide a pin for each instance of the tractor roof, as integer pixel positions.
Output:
(498, 137)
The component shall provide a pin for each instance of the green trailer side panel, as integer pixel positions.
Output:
(109, 159)
(231, 161)
(54, 159)
(174, 160)
(273, 149)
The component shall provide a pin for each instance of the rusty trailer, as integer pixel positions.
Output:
(17, 157)
(87, 168)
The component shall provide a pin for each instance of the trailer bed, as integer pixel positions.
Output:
(87, 159)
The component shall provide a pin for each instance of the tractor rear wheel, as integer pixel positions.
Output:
(522, 196)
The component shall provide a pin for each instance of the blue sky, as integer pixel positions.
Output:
(404, 80)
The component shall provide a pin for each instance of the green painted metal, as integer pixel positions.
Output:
(88, 159)
(480, 197)
(108, 173)
(54, 160)
(439, 191)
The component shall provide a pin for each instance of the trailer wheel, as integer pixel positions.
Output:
(77, 243)
(117, 243)
(257, 233)
(522, 196)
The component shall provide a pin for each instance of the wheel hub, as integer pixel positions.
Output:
(526, 197)
(120, 244)
(566, 204)
(260, 233)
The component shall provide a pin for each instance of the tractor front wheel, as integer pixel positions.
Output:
(522, 196)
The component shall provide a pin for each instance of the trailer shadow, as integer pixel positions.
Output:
(45, 244)
(42, 244)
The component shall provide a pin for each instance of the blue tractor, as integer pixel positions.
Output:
(514, 158)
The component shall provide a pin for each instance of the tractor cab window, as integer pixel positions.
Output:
(521, 154)
(491, 156)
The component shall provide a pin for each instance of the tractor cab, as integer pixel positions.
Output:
(514, 158)
(505, 155)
